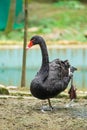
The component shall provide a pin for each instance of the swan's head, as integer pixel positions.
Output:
(34, 40)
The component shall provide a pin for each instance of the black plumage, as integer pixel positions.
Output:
(53, 77)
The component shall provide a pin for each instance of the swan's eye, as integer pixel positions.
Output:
(33, 41)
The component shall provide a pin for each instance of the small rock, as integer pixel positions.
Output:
(3, 90)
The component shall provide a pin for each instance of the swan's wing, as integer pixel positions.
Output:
(44, 73)
(59, 69)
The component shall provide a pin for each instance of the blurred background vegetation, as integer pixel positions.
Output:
(54, 19)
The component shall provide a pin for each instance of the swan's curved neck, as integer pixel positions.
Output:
(45, 58)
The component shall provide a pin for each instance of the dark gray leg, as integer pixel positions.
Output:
(50, 103)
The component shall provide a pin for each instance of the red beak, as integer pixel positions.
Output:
(29, 45)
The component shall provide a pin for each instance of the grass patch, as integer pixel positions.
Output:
(70, 17)
(60, 16)
(62, 96)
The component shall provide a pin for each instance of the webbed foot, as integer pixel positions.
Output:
(46, 108)
(70, 104)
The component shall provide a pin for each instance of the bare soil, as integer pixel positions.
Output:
(18, 113)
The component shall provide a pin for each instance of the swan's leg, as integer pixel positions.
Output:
(50, 104)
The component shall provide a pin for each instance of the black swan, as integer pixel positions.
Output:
(53, 77)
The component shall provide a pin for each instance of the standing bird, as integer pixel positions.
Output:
(53, 77)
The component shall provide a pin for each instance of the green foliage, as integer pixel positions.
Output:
(66, 15)
(69, 4)
(44, 30)
(62, 17)
(69, 16)
(16, 35)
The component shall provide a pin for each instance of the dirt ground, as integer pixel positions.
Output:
(18, 113)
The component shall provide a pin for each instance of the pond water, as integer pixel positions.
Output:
(11, 62)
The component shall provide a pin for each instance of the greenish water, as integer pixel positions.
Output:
(11, 62)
